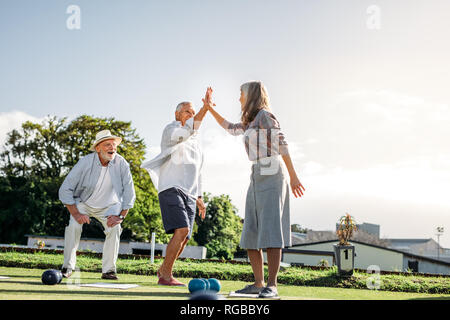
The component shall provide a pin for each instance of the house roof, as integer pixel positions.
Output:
(409, 240)
(415, 256)
(368, 224)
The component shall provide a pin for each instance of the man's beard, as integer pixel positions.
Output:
(107, 157)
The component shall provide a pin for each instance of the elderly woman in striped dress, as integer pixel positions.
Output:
(267, 215)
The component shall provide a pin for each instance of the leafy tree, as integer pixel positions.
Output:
(221, 229)
(34, 162)
(34, 151)
(298, 228)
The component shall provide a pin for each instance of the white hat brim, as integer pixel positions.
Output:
(118, 140)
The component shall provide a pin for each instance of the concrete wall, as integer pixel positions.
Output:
(126, 247)
(307, 260)
(194, 252)
(58, 243)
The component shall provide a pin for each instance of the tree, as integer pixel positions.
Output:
(34, 162)
(221, 229)
(35, 150)
(298, 228)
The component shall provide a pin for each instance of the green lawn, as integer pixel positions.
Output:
(302, 280)
(25, 284)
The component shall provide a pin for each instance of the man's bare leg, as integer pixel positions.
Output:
(183, 245)
(174, 249)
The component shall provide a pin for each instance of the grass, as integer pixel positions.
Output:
(25, 284)
(294, 282)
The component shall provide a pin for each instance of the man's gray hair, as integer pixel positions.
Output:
(181, 104)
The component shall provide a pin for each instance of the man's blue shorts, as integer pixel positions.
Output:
(177, 210)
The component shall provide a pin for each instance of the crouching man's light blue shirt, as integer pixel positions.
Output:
(80, 183)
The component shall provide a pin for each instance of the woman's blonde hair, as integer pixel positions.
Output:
(256, 99)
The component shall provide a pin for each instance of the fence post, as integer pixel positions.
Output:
(152, 252)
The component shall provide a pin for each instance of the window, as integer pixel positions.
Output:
(413, 265)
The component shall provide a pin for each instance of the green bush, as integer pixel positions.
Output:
(221, 229)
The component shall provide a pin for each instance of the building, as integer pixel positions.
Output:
(126, 247)
(370, 228)
(298, 238)
(424, 247)
(387, 259)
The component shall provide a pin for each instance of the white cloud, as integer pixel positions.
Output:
(311, 168)
(221, 148)
(362, 129)
(385, 109)
(311, 141)
(414, 184)
(13, 120)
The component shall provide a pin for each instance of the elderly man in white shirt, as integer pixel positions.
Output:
(100, 186)
(176, 174)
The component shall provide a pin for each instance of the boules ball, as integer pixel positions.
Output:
(51, 277)
(214, 284)
(196, 285)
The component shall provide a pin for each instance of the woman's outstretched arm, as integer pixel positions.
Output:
(296, 185)
(234, 129)
(220, 120)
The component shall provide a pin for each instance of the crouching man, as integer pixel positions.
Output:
(99, 186)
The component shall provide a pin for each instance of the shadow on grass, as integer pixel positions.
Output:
(434, 298)
(19, 276)
(65, 282)
(22, 282)
(130, 295)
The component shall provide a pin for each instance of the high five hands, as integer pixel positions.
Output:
(207, 100)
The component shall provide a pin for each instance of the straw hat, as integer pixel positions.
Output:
(102, 136)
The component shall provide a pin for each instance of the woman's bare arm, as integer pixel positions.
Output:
(295, 183)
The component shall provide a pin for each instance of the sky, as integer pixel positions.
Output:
(360, 89)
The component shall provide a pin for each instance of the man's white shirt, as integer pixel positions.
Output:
(180, 162)
(104, 195)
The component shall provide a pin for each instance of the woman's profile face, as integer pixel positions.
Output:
(242, 99)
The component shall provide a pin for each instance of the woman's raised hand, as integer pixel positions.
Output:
(207, 101)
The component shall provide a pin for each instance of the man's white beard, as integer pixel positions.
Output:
(107, 157)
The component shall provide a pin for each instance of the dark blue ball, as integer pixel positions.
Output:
(51, 277)
(214, 284)
(196, 285)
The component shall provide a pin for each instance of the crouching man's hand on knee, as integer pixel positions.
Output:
(80, 218)
(113, 221)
